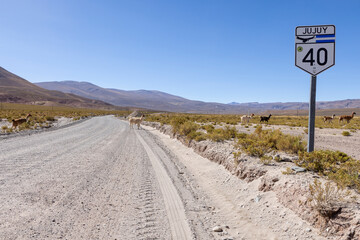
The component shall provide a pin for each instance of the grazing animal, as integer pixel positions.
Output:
(265, 119)
(347, 117)
(329, 119)
(135, 120)
(19, 121)
(246, 118)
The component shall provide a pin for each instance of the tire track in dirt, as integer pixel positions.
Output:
(175, 209)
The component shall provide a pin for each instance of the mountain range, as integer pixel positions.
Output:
(166, 102)
(84, 94)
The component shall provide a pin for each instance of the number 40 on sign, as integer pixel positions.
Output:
(315, 48)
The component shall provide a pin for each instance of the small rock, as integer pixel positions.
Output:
(257, 199)
(298, 169)
(217, 229)
(308, 230)
(275, 179)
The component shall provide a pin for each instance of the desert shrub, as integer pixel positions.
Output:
(290, 144)
(335, 165)
(263, 141)
(322, 161)
(326, 198)
(176, 122)
(345, 133)
(266, 160)
(208, 128)
(187, 127)
(198, 136)
(253, 147)
(221, 134)
(241, 135)
(50, 118)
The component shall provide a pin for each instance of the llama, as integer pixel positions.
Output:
(136, 120)
(329, 119)
(347, 117)
(19, 121)
(246, 119)
(265, 119)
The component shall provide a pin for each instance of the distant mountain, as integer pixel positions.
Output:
(233, 103)
(141, 98)
(166, 102)
(17, 90)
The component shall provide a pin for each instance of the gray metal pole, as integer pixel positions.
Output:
(311, 130)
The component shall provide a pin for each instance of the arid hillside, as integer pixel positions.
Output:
(14, 89)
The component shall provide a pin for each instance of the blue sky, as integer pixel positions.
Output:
(215, 51)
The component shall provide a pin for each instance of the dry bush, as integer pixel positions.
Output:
(326, 199)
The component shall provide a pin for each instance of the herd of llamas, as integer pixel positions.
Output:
(244, 119)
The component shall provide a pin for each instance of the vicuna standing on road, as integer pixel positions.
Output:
(136, 120)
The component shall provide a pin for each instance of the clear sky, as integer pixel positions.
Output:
(215, 51)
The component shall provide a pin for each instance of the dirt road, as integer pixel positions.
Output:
(93, 180)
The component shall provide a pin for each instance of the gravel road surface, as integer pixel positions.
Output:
(98, 179)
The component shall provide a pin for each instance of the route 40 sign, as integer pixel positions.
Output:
(315, 48)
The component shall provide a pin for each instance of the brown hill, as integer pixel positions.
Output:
(15, 89)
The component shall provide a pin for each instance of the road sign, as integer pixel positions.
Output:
(315, 48)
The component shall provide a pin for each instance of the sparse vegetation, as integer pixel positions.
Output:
(346, 133)
(334, 165)
(263, 141)
(326, 198)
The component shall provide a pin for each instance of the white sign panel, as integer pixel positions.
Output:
(315, 48)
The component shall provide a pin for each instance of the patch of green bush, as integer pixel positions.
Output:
(346, 133)
(262, 141)
(336, 165)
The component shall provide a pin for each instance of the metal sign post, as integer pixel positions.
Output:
(311, 126)
(314, 53)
